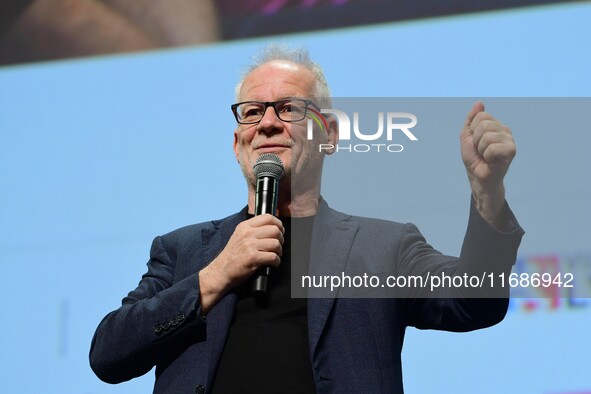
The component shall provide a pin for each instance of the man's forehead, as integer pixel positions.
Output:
(293, 79)
(280, 65)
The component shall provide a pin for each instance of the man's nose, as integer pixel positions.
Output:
(270, 121)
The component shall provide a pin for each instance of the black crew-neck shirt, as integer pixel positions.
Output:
(266, 351)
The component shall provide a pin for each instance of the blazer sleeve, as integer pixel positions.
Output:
(485, 251)
(154, 319)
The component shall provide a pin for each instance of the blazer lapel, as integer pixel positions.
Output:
(332, 238)
(220, 316)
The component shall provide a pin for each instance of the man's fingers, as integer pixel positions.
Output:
(258, 241)
(484, 121)
(488, 131)
(488, 139)
(500, 152)
(476, 108)
(266, 219)
(270, 245)
(262, 252)
(269, 231)
(272, 259)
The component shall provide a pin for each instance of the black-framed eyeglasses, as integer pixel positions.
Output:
(288, 110)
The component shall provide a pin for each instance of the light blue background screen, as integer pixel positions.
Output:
(100, 155)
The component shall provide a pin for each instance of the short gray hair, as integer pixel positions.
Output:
(295, 55)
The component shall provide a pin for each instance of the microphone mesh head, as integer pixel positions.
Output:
(268, 164)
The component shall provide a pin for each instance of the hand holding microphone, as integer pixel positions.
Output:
(256, 244)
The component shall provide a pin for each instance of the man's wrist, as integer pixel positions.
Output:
(210, 288)
(490, 204)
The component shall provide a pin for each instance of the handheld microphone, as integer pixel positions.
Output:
(268, 169)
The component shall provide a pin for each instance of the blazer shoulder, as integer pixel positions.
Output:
(367, 223)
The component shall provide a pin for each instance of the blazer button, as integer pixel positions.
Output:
(200, 389)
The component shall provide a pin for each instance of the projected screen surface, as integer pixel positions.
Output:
(100, 155)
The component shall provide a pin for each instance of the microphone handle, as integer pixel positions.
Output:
(265, 202)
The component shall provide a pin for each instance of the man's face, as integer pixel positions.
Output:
(274, 81)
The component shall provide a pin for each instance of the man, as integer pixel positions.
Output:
(193, 314)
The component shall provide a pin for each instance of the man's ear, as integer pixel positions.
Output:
(332, 134)
(235, 146)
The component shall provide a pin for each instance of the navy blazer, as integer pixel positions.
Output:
(355, 343)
